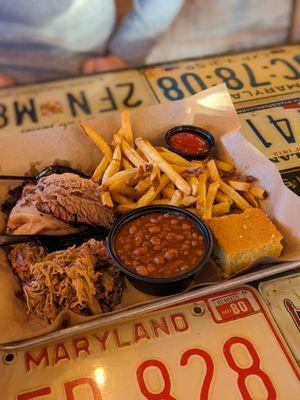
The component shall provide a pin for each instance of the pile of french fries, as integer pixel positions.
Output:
(133, 173)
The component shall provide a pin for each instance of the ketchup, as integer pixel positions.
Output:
(189, 143)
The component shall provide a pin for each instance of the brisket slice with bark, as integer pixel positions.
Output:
(53, 203)
(72, 199)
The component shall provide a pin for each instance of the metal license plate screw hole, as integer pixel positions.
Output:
(8, 358)
(198, 310)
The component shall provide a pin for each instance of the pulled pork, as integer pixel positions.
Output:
(80, 279)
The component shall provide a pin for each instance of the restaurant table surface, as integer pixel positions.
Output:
(265, 88)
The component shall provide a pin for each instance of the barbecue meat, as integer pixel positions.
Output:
(71, 198)
(54, 203)
(80, 279)
(23, 255)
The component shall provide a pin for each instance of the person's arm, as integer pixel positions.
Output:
(136, 35)
(141, 28)
(6, 81)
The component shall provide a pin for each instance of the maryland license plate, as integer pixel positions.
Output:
(218, 347)
(249, 76)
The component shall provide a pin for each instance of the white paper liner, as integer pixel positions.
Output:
(211, 109)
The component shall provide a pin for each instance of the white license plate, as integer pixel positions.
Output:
(217, 347)
(282, 296)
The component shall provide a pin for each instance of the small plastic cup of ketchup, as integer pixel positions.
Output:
(190, 142)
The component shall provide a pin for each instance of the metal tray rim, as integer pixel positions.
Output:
(155, 305)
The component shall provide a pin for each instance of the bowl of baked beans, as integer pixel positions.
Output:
(160, 248)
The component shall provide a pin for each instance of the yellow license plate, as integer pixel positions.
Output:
(218, 347)
(63, 102)
(250, 76)
(275, 132)
(283, 298)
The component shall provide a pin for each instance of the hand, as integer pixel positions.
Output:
(6, 81)
(105, 63)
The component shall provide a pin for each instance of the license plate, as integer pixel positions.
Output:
(249, 76)
(63, 102)
(276, 134)
(282, 296)
(218, 347)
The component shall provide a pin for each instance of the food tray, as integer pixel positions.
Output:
(68, 146)
(265, 272)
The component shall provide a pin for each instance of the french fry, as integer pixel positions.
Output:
(131, 154)
(243, 178)
(236, 197)
(187, 171)
(98, 140)
(176, 198)
(220, 209)
(117, 138)
(99, 171)
(143, 185)
(198, 163)
(126, 127)
(122, 177)
(194, 211)
(114, 165)
(106, 200)
(194, 182)
(154, 177)
(173, 158)
(224, 166)
(157, 159)
(222, 197)
(141, 154)
(192, 172)
(123, 208)
(122, 188)
(160, 201)
(136, 178)
(211, 193)
(119, 198)
(241, 186)
(188, 201)
(201, 198)
(126, 164)
(152, 192)
(213, 171)
(259, 193)
(168, 190)
(251, 199)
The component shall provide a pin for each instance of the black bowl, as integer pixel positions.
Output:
(196, 131)
(160, 286)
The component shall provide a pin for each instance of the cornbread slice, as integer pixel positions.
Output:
(242, 238)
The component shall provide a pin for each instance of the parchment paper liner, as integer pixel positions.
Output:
(211, 109)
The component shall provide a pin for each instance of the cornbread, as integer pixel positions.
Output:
(242, 238)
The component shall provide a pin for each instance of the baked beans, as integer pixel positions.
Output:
(160, 245)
